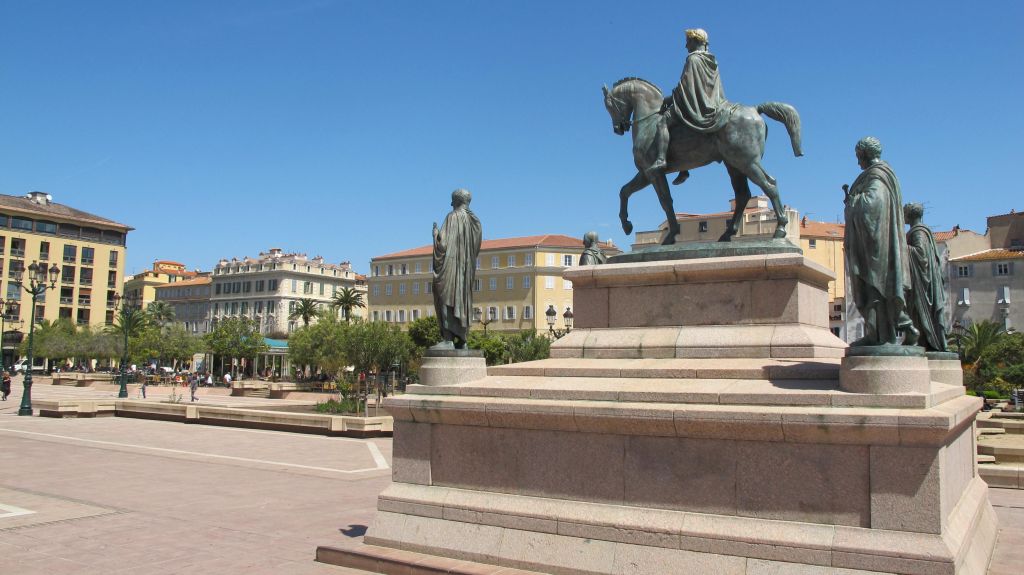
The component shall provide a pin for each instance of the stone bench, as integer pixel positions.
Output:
(75, 407)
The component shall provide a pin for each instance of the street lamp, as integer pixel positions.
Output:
(551, 315)
(38, 284)
(481, 318)
(127, 308)
(958, 332)
(8, 310)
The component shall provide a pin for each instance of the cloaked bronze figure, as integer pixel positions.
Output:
(592, 254)
(456, 247)
(927, 303)
(876, 249)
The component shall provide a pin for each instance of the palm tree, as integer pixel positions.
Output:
(980, 336)
(160, 313)
(347, 299)
(306, 308)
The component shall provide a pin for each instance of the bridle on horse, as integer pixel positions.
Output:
(626, 124)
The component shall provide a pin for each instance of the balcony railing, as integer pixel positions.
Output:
(67, 300)
(70, 259)
(85, 281)
(44, 256)
(87, 261)
(84, 301)
(67, 281)
(16, 253)
(110, 305)
(83, 321)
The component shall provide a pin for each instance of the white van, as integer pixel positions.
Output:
(22, 365)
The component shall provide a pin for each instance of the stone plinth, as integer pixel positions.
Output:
(705, 428)
(450, 367)
(945, 367)
(882, 370)
(769, 305)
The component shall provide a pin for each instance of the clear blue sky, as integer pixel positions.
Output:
(339, 128)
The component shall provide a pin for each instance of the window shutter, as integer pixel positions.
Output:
(1011, 268)
(970, 270)
(994, 269)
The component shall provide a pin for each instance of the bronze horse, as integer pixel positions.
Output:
(739, 144)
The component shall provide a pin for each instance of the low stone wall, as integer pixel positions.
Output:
(81, 379)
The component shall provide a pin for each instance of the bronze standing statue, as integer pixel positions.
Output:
(876, 249)
(456, 247)
(696, 127)
(592, 254)
(928, 297)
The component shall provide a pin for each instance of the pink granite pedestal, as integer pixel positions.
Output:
(703, 430)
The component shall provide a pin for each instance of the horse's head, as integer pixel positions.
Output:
(620, 111)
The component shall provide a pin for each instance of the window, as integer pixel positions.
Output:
(415, 314)
(401, 289)
(549, 282)
(70, 254)
(963, 271)
(271, 285)
(528, 259)
(837, 307)
(512, 261)
(321, 288)
(510, 282)
(965, 296)
(415, 288)
(216, 289)
(812, 243)
(376, 290)
(113, 258)
(477, 263)
(401, 316)
(510, 312)
(476, 284)
(3, 241)
(291, 307)
(387, 315)
(702, 226)
(307, 287)
(271, 306)
(295, 286)
(234, 308)
(247, 287)
(567, 260)
(492, 313)
(492, 284)
(527, 312)
(44, 251)
(46, 227)
(236, 287)
(526, 282)
(13, 291)
(67, 274)
(376, 314)
(405, 269)
(1002, 269)
(566, 284)
(259, 285)
(387, 289)
(88, 256)
(551, 259)
(21, 223)
(245, 308)
(391, 269)
(1003, 294)
(17, 247)
(494, 262)
(429, 288)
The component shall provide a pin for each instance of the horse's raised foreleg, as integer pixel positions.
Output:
(665, 197)
(761, 178)
(638, 183)
(741, 188)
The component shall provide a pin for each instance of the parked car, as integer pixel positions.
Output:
(22, 365)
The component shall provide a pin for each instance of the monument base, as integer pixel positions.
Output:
(452, 366)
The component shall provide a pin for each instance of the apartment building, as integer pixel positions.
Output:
(268, 287)
(88, 249)
(989, 284)
(517, 279)
(190, 300)
(142, 286)
(758, 221)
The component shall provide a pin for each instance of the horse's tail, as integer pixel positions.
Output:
(788, 115)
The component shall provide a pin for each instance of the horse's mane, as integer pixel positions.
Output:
(641, 80)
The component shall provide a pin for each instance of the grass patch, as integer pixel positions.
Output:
(338, 407)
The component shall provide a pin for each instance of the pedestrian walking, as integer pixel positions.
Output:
(193, 384)
(143, 388)
(5, 385)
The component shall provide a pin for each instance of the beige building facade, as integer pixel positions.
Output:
(190, 300)
(267, 288)
(517, 279)
(142, 286)
(89, 251)
(988, 284)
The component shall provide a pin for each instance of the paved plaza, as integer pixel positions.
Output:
(119, 495)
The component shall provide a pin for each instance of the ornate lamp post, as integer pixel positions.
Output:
(551, 315)
(8, 310)
(127, 308)
(958, 332)
(481, 318)
(37, 277)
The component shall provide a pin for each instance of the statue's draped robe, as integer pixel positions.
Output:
(699, 101)
(455, 251)
(928, 300)
(592, 256)
(875, 243)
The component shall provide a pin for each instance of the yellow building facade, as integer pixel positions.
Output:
(517, 279)
(89, 251)
(141, 287)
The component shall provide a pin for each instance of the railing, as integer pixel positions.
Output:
(83, 321)
(67, 300)
(70, 259)
(112, 285)
(16, 253)
(67, 281)
(87, 261)
(110, 305)
(44, 257)
(85, 281)
(84, 301)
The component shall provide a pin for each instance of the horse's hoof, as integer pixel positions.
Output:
(627, 227)
(726, 237)
(780, 233)
(668, 241)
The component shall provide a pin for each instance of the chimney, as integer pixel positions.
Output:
(41, 198)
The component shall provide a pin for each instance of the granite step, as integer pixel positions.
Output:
(673, 368)
(389, 561)
(985, 459)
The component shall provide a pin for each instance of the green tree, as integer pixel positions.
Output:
(321, 344)
(52, 340)
(492, 344)
(527, 345)
(346, 300)
(160, 313)
(170, 346)
(979, 337)
(305, 309)
(425, 332)
(236, 338)
(376, 346)
(1004, 360)
(128, 324)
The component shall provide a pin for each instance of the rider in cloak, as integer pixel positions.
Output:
(928, 299)
(876, 249)
(592, 254)
(456, 246)
(697, 102)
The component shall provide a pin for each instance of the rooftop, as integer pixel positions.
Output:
(991, 255)
(813, 229)
(201, 280)
(41, 204)
(280, 256)
(545, 241)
